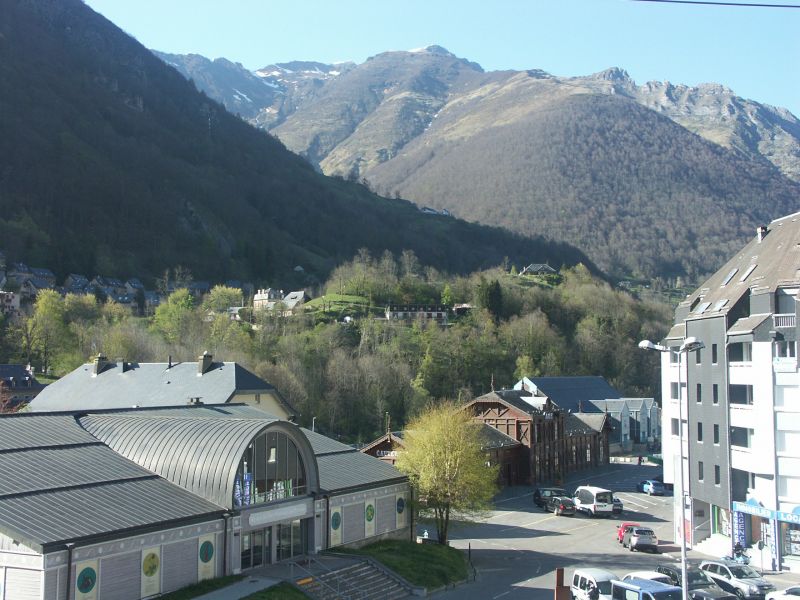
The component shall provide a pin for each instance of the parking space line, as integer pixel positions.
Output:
(530, 523)
(627, 500)
(580, 527)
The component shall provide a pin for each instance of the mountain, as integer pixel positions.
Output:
(111, 162)
(651, 180)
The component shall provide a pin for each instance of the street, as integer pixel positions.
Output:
(517, 548)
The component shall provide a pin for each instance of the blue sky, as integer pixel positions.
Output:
(754, 51)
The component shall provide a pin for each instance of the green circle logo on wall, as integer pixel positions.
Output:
(150, 564)
(401, 505)
(336, 520)
(370, 512)
(206, 551)
(87, 579)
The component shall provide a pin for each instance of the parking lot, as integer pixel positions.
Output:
(517, 547)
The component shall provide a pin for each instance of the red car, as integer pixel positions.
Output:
(622, 527)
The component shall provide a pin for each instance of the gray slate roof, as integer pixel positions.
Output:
(146, 384)
(570, 393)
(354, 469)
(583, 423)
(494, 438)
(519, 399)
(61, 484)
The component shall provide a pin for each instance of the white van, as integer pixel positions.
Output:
(598, 502)
(585, 580)
(644, 589)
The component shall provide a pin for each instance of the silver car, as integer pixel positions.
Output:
(742, 580)
(640, 538)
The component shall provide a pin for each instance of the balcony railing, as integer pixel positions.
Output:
(785, 320)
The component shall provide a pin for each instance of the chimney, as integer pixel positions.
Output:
(169, 363)
(100, 363)
(761, 232)
(203, 363)
(195, 401)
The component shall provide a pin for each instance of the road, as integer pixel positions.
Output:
(518, 547)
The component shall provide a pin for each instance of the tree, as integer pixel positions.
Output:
(489, 295)
(221, 298)
(49, 326)
(444, 460)
(447, 295)
(173, 316)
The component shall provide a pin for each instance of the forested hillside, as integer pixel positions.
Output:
(349, 372)
(113, 163)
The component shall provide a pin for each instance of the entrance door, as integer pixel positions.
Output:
(256, 549)
(291, 539)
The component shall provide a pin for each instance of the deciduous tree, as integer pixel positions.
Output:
(444, 460)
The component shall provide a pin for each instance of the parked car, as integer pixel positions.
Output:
(742, 580)
(584, 580)
(644, 589)
(560, 505)
(616, 507)
(597, 502)
(790, 593)
(640, 538)
(622, 527)
(667, 486)
(651, 575)
(700, 585)
(651, 487)
(541, 495)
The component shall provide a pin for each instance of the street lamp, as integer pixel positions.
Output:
(690, 344)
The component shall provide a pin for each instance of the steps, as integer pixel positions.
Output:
(357, 581)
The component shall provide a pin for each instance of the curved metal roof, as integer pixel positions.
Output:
(200, 454)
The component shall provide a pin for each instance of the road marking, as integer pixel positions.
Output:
(580, 527)
(501, 595)
(627, 500)
(514, 498)
(530, 523)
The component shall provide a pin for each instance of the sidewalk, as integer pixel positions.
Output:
(240, 589)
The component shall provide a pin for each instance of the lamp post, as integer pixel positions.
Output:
(690, 344)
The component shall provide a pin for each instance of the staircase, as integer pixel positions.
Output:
(715, 545)
(358, 581)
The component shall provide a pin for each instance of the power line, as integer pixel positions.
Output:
(713, 3)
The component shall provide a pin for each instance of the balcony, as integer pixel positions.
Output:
(784, 320)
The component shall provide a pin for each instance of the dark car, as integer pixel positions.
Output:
(700, 585)
(560, 505)
(616, 508)
(542, 495)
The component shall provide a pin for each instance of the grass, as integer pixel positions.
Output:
(427, 565)
(203, 587)
(282, 591)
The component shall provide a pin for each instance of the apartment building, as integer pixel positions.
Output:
(736, 402)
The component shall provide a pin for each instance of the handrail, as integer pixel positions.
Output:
(336, 591)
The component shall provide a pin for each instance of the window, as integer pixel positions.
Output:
(699, 432)
(699, 393)
(716, 433)
(740, 352)
(702, 308)
(675, 428)
(673, 355)
(740, 394)
(715, 393)
(714, 353)
(698, 357)
(717, 475)
(720, 304)
(729, 276)
(750, 269)
(785, 349)
(674, 390)
(700, 470)
(271, 469)
(742, 437)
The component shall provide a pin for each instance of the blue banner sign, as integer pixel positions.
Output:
(766, 513)
(738, 528)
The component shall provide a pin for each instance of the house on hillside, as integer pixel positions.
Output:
(18, 273)
(538, 269)
(569, 393)
(76, 284)
(110, 286)
(18, 386)
(30, 288)
(411, 312)
(9, 303)
(133, 286)
(106, 384)
(288, 304)
(44, 275)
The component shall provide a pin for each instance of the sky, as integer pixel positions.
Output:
(754, 51)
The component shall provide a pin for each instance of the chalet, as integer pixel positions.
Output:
(76, 284)
(119, 384)
(538, 269)
(410, 312)
(500, 450)
(30, 288)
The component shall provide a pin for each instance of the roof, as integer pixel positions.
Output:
(49, 496)
(494, 438)
(353, 469)
(568, 393)
(583, 423)
(198, 451)
(759, 266)
(748, 324)
(128, 385)
(292, 299)
(601, 406)
(19, 376)
(519, 399)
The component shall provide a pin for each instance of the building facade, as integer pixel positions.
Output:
(737, 402)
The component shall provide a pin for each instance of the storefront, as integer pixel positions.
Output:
(778, 531)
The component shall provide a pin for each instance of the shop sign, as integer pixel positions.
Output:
(788, 517)
(739, 531)
(766, 513)
(206, 560)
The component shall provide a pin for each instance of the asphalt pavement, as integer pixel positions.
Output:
(517, 548)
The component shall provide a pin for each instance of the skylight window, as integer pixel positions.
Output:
(750, 269)
(702, 308)
(720, 304)
(729, 276)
